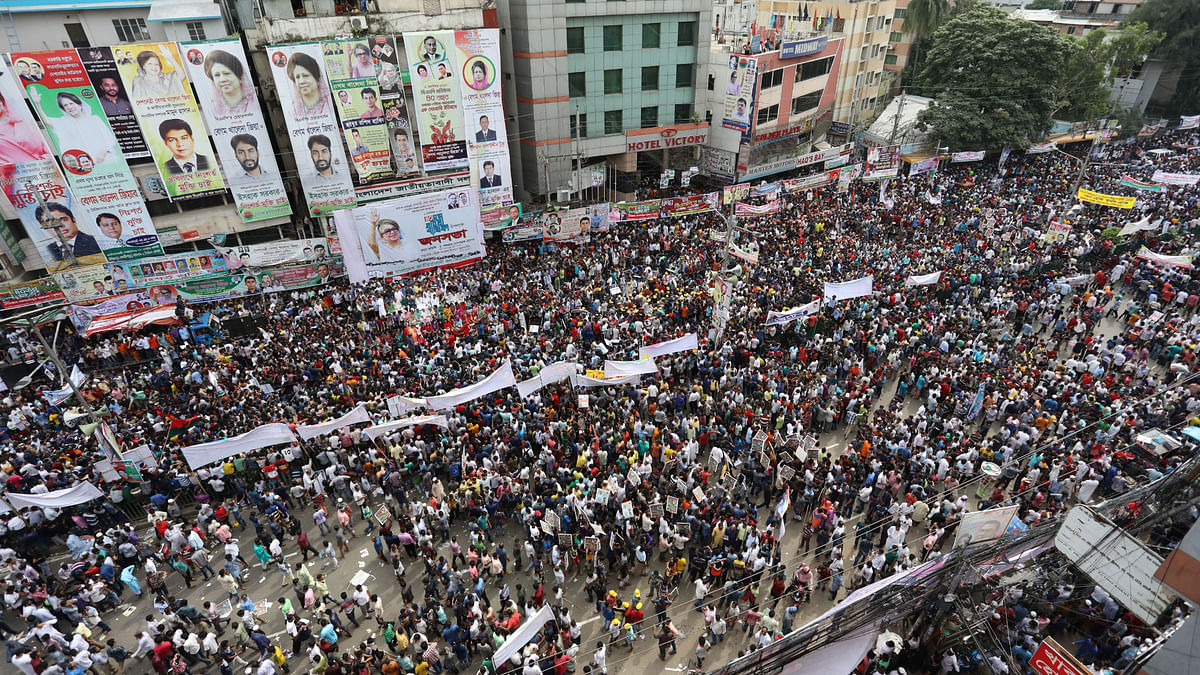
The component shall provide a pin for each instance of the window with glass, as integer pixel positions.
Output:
(575, 44)
(806, 102)
(650, 35)
(131, 30)
(579, 125)
(687, 34)
(195, 30)
(612, 122)
(768, 114)
(612, 38)
(612, 81)
(683, 113)
(577, 84)
(649, 78)
(649, 116)
(683, 76)
(812, 69)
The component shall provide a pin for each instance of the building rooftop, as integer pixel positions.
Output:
(160, 10)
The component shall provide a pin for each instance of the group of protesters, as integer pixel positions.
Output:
(775, 465)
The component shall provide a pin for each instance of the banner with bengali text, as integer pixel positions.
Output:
(477, 71)
(167, 269)
(1106, 200)
(633, 211)
(114, 99)
(354, 85)
(438, 99)
(400, 236)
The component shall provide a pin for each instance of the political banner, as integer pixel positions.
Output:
(734, 193)
(1041, 148)
(522, 233)
(922, 279)
(685, 206)
(395, 108)
(83, 284)
(928, 165)
(749, 253)
(477, 70)
(739, 93)
(410, 234)
(438, 99)
(292, 277)
(30, 293)
(1189, 121)
(857, 288)
(971, 156)
(1057, 232)
(1106, 200)
(882, 162)
(1185, 179)
(221, 75)
(633, 211)
(169, 268)
(599, 214)
(316, 137)
(354, 84)
(816, 180)
(786, 316)
(114, 99)
(161, 96)
(1131, 182)
(108, 213)
(568, 225)
(270, 254)
(206, 289)
(743, 210)
(82, 314)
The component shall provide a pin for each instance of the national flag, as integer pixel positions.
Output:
(177, 428)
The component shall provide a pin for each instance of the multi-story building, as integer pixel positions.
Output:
(612, 82)
(1109, 10)
(31, 25)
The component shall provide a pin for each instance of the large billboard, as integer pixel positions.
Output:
(478, 72)
(395, 108)
(162, 99)
(316, 136)
(354, 84)
(739, 93)
(221, 76)
(102, 71)
(167, 269)
(400, 236)
(108, 213)
(285, 252)
(436, 94)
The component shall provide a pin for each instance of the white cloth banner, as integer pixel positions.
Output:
(789, 315)
(679, 344)
(381, 429)
(1189, 121)
(585, 381)
(502, 378)
(1041, 148)
(848, 289)
(923, 279)
(555, 372)
(204, 454)
(57, 396)
(522, 635)
(359, 414)
(1188, 179)
(1139, 226)
(76, 494)
(398, 405)
(622, 368)
(973, 156)
(1172, 260)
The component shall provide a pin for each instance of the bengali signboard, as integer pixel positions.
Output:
(161, 96)
(739, 93)
(568, 225)
(270, 254)
(83, 284)
(316, 136)
(477, 61)
(683, 206)
(634, 211)
(354, 84)
(108, 213)
(29, 293)
(166, 269)
(438, 99)
(400, 236)
(222, 79)
(102, 71)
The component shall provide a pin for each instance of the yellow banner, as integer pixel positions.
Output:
(1106, 200)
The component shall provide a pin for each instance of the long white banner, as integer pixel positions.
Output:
(1188, 179)
(1172, 260)
(585, 381)
(679, 344)
(848, 289)
(623, 368)
(555, 372)
(356, 416)
(923, 279)
(76, 494)
(381, 429)
(502, 378)
(789, 315)
(203, 454)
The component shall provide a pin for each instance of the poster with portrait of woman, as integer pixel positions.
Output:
(477, 64)
(404, 235)
(108, 208)
(354, 84)
(222, 79)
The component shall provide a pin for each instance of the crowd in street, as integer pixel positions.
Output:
(771, 466)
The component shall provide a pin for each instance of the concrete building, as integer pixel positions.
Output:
(1111, 10)
(1065, 23)
(617, 82)
(30, 25)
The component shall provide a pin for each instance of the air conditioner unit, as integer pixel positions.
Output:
(564, 195)
(358, 23)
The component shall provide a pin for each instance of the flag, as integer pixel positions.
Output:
(814, 22)
(784, 503)
(178, 428)
(754, 28)
(839, 15)
(772, 23)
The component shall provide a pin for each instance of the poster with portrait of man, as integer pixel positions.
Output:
(102, 71)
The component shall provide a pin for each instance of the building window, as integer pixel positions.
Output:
(1070, 30)
(649, 117)
(806, 102)
(573, 1)
(687, 34)
(575, 41)
(889, 60)
(649, 78)
(612, 38)
(612, 122)
(772, 78)
(768, 114)
(900, 13)
(896, 36)
(808, 71)
(683, 113)
(195, 30)
(131, 30)
(612, 81)
(650, 34)
(708, 116)
(683, 76)
(712, 81)
(579, 125)
(577, 84)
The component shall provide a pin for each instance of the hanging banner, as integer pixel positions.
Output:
(788, 315)
(169, 268)
(922, 279)
(1041, 148)
(438, 99)
(742, 210)
(102, 71)
(972, 156)
(270, 254)
(477, 70)
(1131, 182)
(1186, 179)
(734, 193)
(633, 211)
(29, 293)
(522, 233)
(354, 84)
(928, 165)
(811, 182)
(857, 288)
(395, 108)
(221, 76)
(882, 162)
(749, 253)
(83, 284)
(1171, 260)
(569, 225)
(739, 93)
(108, 213)
(1106, 200)
(685, 206)
(406, 235)
(1189, 121)
(161, 96)
(316, 137)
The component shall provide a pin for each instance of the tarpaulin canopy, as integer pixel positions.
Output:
(555, 372)
(359, 414)
(132, 320)
(204, 454)
(76, 494)
(381, 429)
(502, 378)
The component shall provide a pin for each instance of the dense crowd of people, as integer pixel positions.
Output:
(860, 434)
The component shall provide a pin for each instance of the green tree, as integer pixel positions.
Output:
(1179, 22)
(994, 79)
(922, 19)
(1081, 94)
(1045, 4)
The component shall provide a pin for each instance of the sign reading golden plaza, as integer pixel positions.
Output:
(657, 138)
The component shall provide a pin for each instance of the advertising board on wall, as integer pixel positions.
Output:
(739, 93)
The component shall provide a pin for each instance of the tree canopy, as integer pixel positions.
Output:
(1179, 21)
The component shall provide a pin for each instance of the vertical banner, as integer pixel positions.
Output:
(406, 235)
(478, 69)
(102, 71)
(316, 145)
(220, 74)
(437, 98)
(178, 139)
(395, 109)
(739, 93)
(108, 213)
(354, 84)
